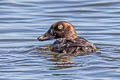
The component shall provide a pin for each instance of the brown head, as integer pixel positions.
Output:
(59, 29)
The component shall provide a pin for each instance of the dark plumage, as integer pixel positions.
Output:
(67, 40)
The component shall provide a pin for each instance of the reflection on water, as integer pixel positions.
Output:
(22, 57)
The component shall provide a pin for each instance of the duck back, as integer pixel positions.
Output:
(77, 47)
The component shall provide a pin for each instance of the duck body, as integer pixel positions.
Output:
(78, 46)
(67, 40)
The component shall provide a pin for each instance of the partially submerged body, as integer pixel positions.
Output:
(78, 46)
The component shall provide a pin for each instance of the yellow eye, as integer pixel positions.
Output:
(60, 27)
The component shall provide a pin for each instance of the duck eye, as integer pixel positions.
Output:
(60, 27)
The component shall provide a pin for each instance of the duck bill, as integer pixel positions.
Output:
(45, 36)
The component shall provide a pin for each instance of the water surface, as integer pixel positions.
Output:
(22, 21)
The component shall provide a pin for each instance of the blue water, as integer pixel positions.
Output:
(22, 21)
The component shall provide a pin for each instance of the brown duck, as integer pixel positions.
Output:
(67, 40)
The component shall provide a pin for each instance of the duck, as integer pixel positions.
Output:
(66, 40)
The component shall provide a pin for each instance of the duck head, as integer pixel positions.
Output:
(58, 30)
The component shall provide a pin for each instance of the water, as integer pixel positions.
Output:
(22, 21)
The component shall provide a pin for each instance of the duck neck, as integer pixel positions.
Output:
(71, 36)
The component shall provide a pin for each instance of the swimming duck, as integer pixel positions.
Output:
(67, 40)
